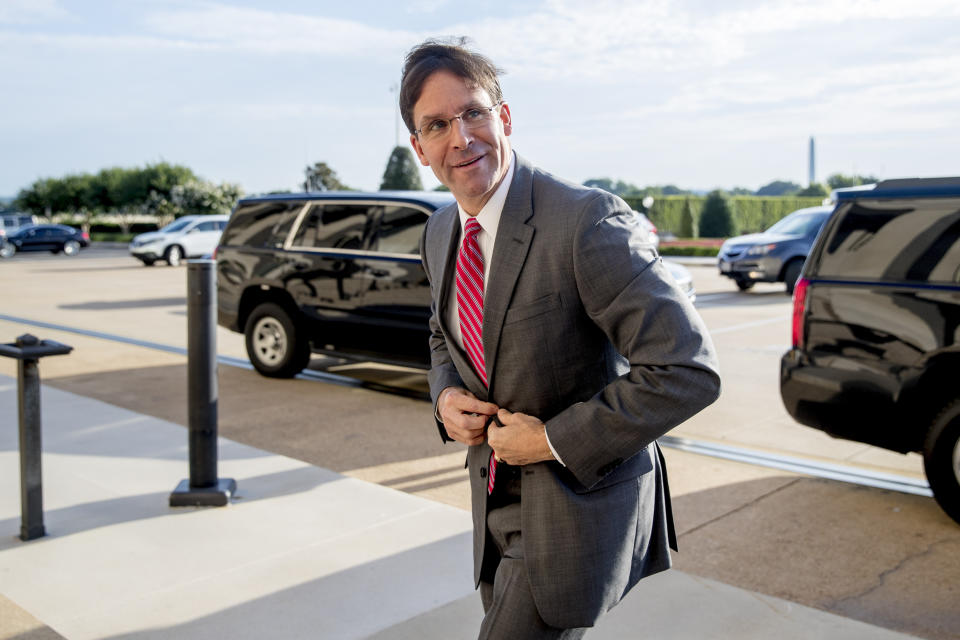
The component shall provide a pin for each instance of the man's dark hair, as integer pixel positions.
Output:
(453, 56)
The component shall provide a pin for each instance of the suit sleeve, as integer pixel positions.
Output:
(442, 373)
(629, 294)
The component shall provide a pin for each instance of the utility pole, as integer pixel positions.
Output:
(395, 89)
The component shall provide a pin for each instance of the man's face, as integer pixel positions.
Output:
(470, 162)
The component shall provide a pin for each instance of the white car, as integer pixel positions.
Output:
(186, 237)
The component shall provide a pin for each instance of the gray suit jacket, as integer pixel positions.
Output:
(584, 329)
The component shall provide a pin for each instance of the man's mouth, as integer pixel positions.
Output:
(467, 163)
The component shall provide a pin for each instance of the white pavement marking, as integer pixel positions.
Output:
(749, 325)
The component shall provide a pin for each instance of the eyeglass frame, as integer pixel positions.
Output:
(459, 116)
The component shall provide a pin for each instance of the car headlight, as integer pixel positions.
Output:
(761, 249)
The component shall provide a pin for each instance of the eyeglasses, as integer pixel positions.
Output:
(472, 118)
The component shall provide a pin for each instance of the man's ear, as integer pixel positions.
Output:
(505, 119)
(415, 143)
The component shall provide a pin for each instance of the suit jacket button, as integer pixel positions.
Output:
(483, 472)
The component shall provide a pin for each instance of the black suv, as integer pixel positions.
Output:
(876, 326)
(333, 272)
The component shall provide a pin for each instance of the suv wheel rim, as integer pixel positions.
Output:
(70, 248)
(956, 460)
(269, 341)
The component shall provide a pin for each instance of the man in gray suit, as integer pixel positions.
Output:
(561, 349)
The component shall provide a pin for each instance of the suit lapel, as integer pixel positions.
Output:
(514, 236)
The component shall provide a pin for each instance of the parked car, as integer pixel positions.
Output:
(332, 272)
(13, 222)
(876, 326)
(54, 238)
(651, 229)
(683, 278)
(185, 237)
(775, 255)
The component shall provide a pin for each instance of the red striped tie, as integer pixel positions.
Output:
(470, 306)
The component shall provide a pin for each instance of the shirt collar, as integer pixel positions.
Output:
(489, 216)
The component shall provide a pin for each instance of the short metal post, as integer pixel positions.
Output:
(203, 488)
(28, 350)
(31, 476)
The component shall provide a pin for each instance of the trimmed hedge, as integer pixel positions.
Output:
(752, 213)
(110, 237)
(689, 251)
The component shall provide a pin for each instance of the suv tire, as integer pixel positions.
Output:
(71, 248)
(792, 273)
(744, 285)
(274, 345)
(174, 255)
(941, 459)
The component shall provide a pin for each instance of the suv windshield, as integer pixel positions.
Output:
(799, 225)
(176, 225)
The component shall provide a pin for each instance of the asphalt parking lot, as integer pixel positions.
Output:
(888, 558)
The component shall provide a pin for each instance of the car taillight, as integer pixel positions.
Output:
(213, 256)
(799, 306)
(85, 236)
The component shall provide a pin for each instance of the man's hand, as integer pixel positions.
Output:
(463, 415)
(521, 440)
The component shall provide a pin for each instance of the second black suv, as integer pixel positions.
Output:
(876, 326)
(331, 272)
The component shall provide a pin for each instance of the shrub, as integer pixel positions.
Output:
(717, 218)
(686, 220)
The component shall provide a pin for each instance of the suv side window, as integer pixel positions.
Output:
(907, 240)
(207, 226)
(400, 230)
(334, 226)
(261, 224)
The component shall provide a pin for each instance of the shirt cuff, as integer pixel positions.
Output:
(552, 450)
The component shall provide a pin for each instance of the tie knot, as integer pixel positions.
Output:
(472, 227)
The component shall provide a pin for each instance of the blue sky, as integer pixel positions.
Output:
(688, 92)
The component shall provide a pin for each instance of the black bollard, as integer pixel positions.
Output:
(203, 488)
(28, 350)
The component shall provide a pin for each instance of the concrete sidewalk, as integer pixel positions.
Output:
(302, 552)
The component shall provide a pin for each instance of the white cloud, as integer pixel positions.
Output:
(277, 32)
(31, 11)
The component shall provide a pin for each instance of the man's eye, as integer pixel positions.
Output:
(436, 126)
(473, 114)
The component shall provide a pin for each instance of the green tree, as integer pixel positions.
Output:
(717, 220)
(839, 180)
(202, 197)
(600, 183)
(778, 188)
(619, 187)
(814, 190)
(686, 220)
(320, 177)
(402, 172)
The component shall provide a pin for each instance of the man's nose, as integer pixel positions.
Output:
(461, 136)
